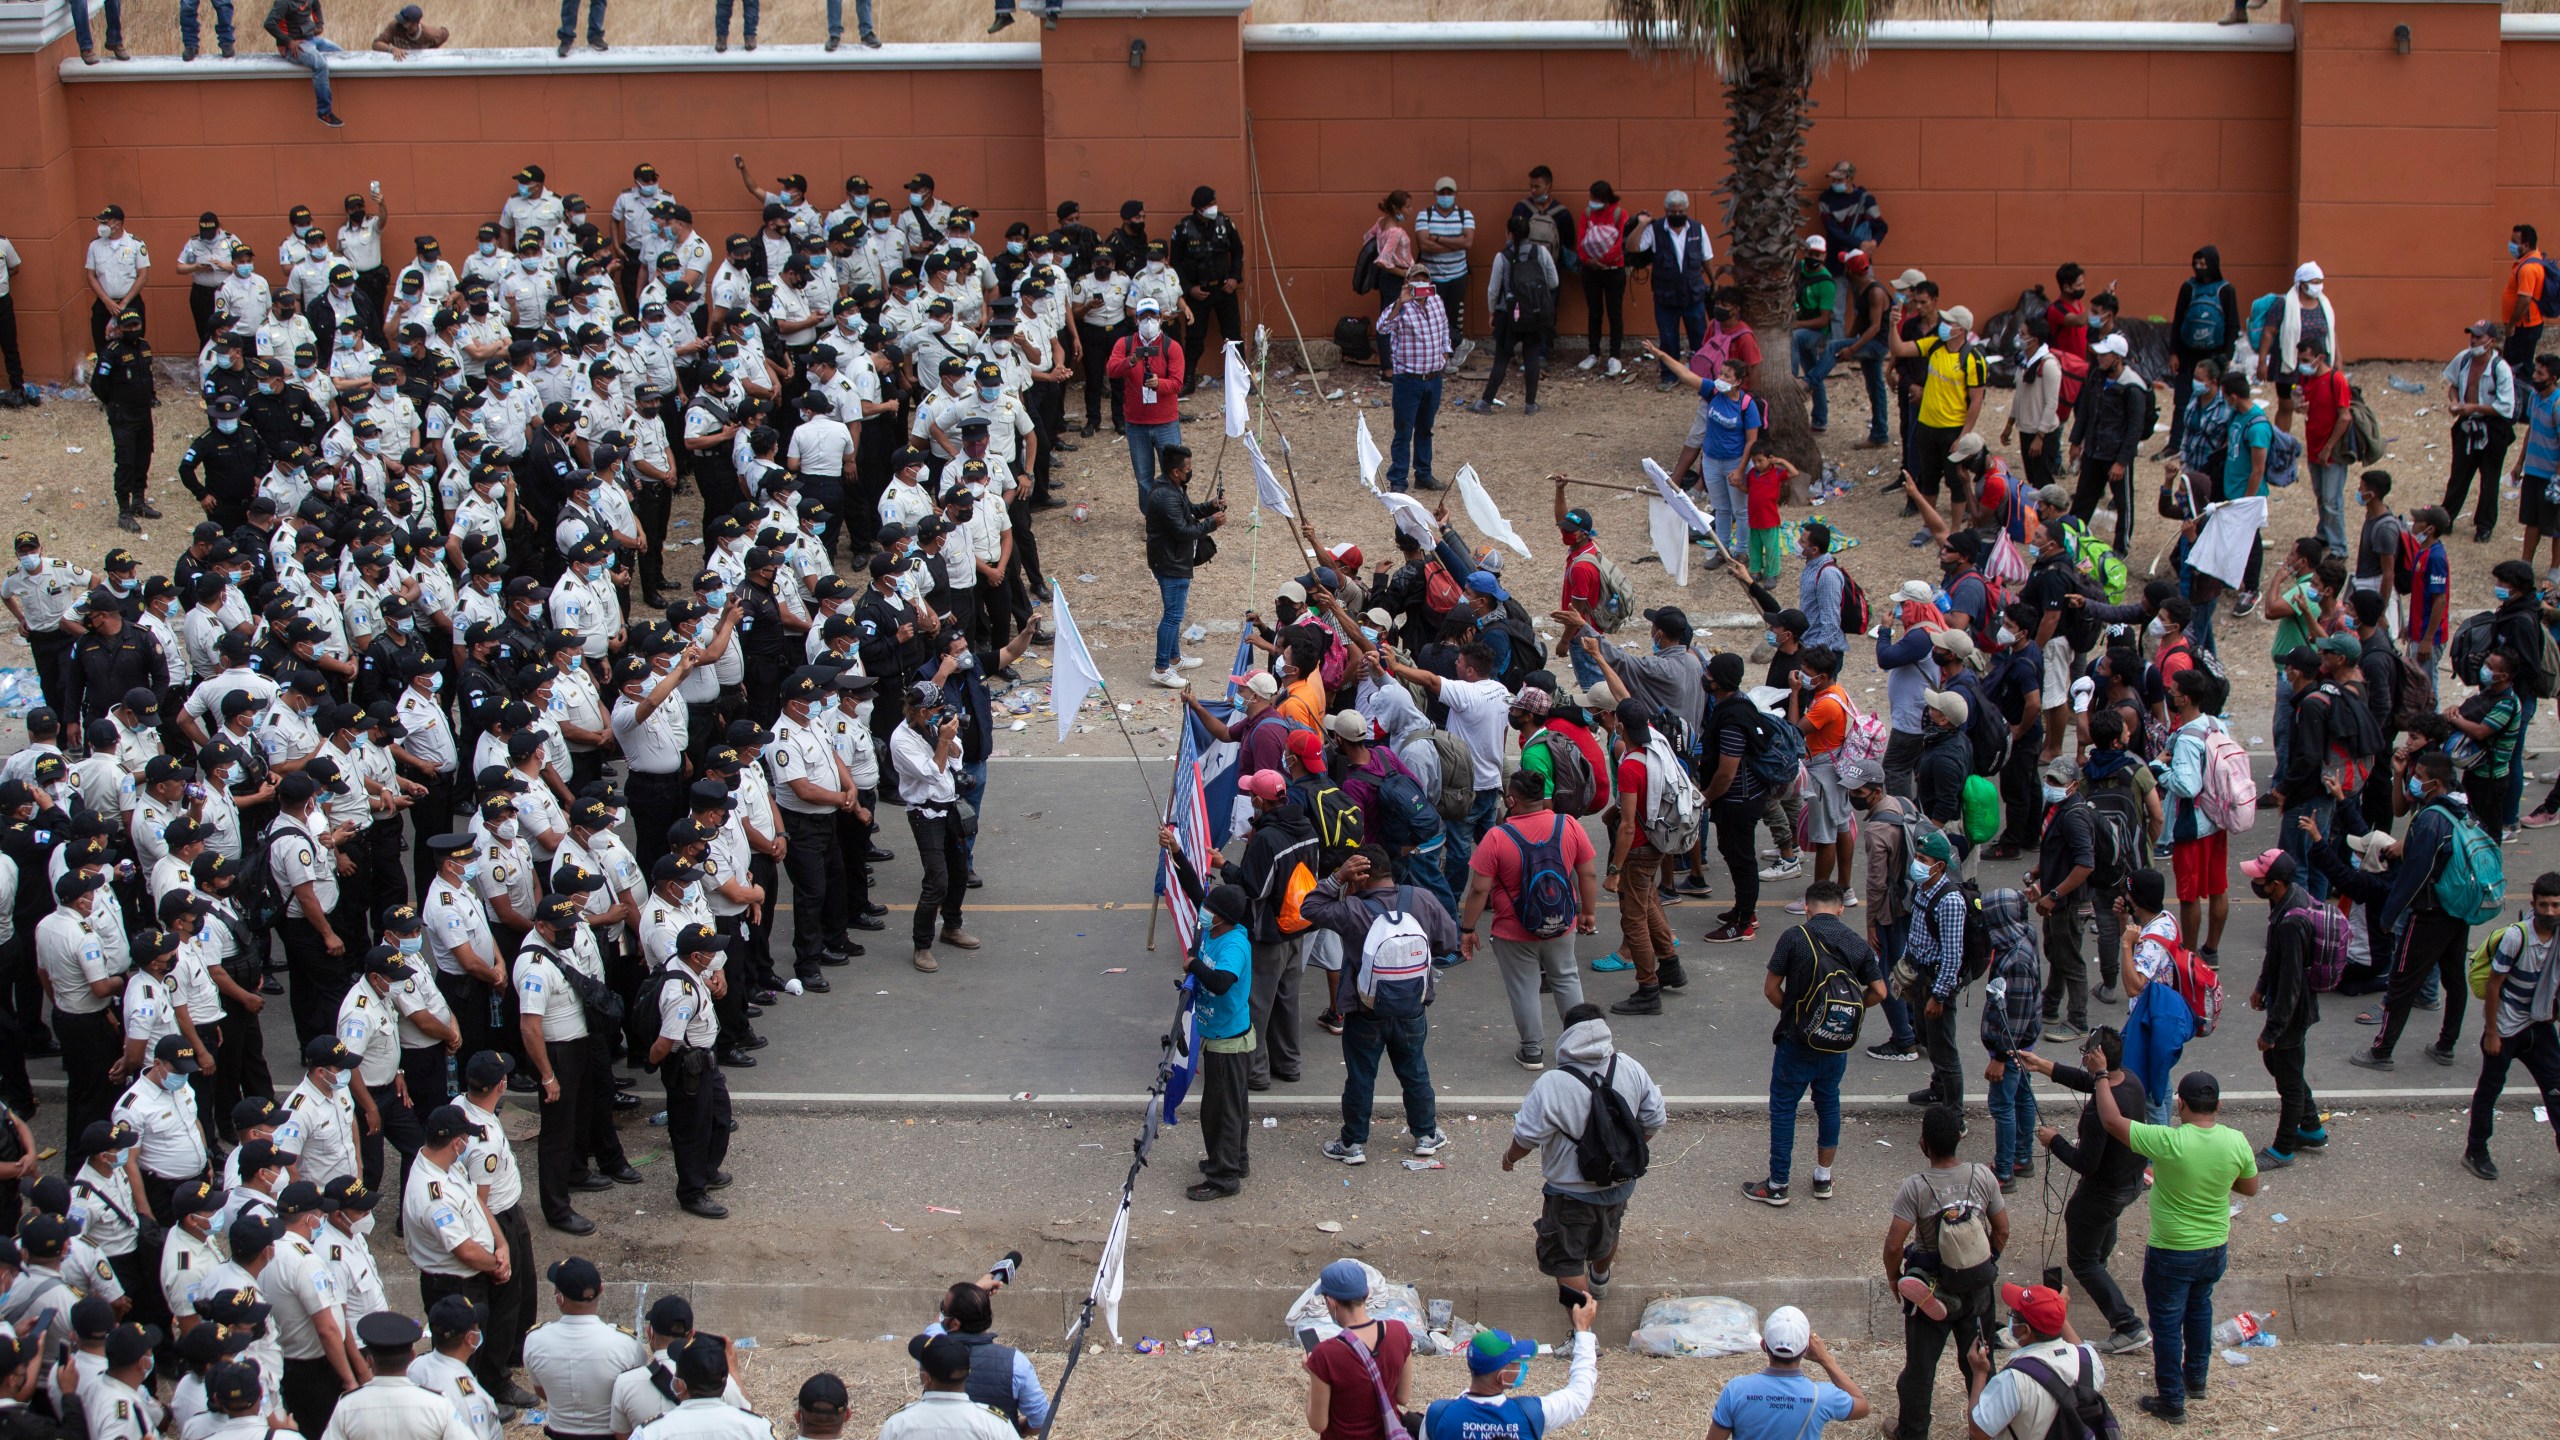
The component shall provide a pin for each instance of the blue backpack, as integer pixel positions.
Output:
(2284, 458)
(2472, 887)
(1406, 817)
(1779, 751)
(2202, 327)
(1545, 904)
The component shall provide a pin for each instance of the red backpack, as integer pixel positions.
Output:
(2197, 983)
(1855, 616)
(1440, 591)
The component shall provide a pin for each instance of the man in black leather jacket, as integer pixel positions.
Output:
(1177, 541)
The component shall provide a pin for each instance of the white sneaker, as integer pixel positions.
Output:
(1589, 362)
(1459, 356)
(1614, 367)
(1783, 870)
(1190, 662)
(1170, 679)
(1795, 907)
(1853, 901)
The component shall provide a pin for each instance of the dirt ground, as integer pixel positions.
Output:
(1260, 1391)
(55, 470)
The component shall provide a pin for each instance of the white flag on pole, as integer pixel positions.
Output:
(1239, 383)
(1372, 459)
(1411, 517)
(1482, 512)
(1670, 539)
(2222, 545)
(1072, 673)
(1677, 498)
(1266, 486)
(1109, 1276)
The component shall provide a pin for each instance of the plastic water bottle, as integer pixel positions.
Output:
(452, 1077)
(2241, 1328)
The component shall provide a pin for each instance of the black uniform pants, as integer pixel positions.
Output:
(480, 1290)
(1735, 825)
(813, 861)
(9, 342)
(431, 1072)
(764, 687)
(511, 1303)
(1219, 305)
(652, 503)
(378, 861)
(657, 802)
(2089, 1233)
(717, 479)
(431, 816)
(942, 850)
(309, 1391)
(765, 873)
(697, 1120)
(23, 989)
(1048, 417)
(1924, 1342)
(319, 980)
(469, 999)
(563, 1124)
(848, 871)
(129, 428)
(52, 652)
(400, 1126)
(2433, 943)
(597, 1140)
(90, 1048)
(241, 1051)
(1096, 343)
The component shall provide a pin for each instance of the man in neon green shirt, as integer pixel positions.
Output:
(2196, 1166)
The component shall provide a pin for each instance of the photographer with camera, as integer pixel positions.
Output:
(1178, 542)
(925, 752)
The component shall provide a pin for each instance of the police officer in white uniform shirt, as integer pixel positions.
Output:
(188, 1250)
(574, 1361)
(321, 1361)
(451, 1239)
(119, 1401)
(345, 1244)
(454, 1329)
(556, 1045)
(319, 1117)
(390, 1406)
(82, 977)
(369, 1027)
(489, 1161)
(160, 1105)
(701, 1367)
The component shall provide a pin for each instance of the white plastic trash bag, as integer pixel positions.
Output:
(1696, 1325)
(1388, 1300)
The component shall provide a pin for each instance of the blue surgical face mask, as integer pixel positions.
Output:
(488, 247)
(2502, 592)
(989, 394)
(470, 872)
(413, 944)
(406, 625)
(2055, 794)
(1946, 331)
(1013, 247)
(2417, 790)
(2514, 251)
(227, 427)
(2487, 678)
(1919, 870)
(31, 563)
(1444, 202)
(435, 682)
(172, 1082)
(329, 582)
(881, 224)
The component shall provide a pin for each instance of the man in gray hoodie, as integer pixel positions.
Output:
(1578, 1222)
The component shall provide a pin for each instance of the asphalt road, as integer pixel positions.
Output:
(1065, 1000)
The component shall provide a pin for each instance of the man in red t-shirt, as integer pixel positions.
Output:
(1635, 869)
(1582, 587)
(2325, 427)
(1343, 1402)
(1496, 883)
(2067, 314)
(1148, 367)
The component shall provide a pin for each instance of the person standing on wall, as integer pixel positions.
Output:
(1208, 253)
(2520, 305)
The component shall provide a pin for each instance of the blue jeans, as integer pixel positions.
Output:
(190, 23)
(569, 20)
(1668, 331)
(1897, 1014)
(2329, 482)
(1366, 1035)
(2013, 1113)
(2298, 845)
(2200, 629)
(1791, 1069)
(1816, 351)
(720, 18)
(1143, 440)
(1586, 671)
(1003, 7)
(972, 787)
(2155, 1035)
(314, 57)
(1417, 401)
(1427, 869)
(862, 17)
(1725, 497)
(1169, 627)
(115, 22)
(2177, 1294)
(1871, 368)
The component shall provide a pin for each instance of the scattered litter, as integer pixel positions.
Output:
(72, 450)
(1148, 1344)
(940, 1210)
(1086, 579)
(2369, 1379)
(747, 1342)
(1199, 1337)
(2395, 1249)
(2234, 1357)
(1696, 1325)
(1330, 1227)
(1117, 970)
(1270, 1123)
(899, 1229)
(1423, 1165)
(2279, 1218)
(1022, 1095)
(1886, 1144)
(793, 987)
(2541, 1114)
(2405, 387)
(1196, 633)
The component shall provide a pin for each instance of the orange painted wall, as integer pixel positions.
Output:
(41, 214)
(1990, 165)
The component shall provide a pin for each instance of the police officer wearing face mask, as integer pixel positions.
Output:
(160, 1109)
(125, 386)
(116, 656)
(222, 468)
(369, 1027)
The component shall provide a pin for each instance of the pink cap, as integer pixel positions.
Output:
(1263, 785)
(2256, 869)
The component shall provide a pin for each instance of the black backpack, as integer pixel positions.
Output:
(2115, 823)
(1532, 301)
(1827, 1016)
(1337, 822)
(260, 900)
(2080, 1409)
(1976, 961)
(1611, 1149)
(644, 1019)
(1351, 336)
(1524, 646)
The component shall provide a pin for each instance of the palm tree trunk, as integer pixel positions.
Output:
(1767, 111)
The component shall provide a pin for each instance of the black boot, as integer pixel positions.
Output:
(1673, 977)
(1647, 1000)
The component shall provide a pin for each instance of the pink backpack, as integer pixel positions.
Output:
(1867, 735)
(2229, 795)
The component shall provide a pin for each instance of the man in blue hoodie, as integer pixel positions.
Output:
(2429, 941)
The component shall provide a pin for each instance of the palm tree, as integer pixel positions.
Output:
(1768, 52)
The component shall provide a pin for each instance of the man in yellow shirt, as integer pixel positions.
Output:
(1950, 398)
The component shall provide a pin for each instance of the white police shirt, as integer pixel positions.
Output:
(542, 990)
(490, 1160)
(440, 1209)
(573, 1362)
(320, 1126)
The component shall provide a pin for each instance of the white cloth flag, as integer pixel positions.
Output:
(1112, 1272)
(1481, 511)
(1670, 539)
(1372, 459)
(1266, 486)
(1677, 498)
(2222, 546)
(1411, 517)
(1072, 673)
(1239, 383)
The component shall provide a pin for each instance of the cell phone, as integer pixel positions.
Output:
(1567, 1296)
(2053, 1278)
(1308, 1340)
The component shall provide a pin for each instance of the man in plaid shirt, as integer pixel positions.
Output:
(1935, 948)
(1416, 331)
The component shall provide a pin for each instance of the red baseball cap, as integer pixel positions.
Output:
(2044, 1309)
(1308, 749)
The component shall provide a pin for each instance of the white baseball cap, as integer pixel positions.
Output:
(1786, 1333)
